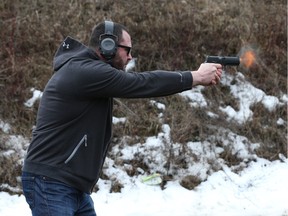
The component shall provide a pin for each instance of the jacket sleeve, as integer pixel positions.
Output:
(101, 80)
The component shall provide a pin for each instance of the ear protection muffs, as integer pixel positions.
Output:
(108, 41)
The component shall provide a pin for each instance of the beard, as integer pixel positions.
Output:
(118, 63)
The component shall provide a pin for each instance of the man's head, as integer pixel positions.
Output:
(119, 34)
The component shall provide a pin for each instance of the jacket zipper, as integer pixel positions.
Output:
(82, 141)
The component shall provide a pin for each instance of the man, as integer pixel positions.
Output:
(74, 119)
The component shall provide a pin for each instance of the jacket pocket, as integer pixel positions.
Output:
(83, 141)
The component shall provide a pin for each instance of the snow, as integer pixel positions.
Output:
(260, 189)
(36, 96)
(247, 95)
(255, 187)
(196, 97)
(5, 127)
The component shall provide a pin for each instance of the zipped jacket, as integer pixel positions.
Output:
(74, 120)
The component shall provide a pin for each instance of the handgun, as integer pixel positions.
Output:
(223, 60)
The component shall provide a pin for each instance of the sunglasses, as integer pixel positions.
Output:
(128, 49)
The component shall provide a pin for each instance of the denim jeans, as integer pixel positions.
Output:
(48, 197)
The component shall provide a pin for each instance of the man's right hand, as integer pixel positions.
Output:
(207, 74)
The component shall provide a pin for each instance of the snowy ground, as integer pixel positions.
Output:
(259, 189)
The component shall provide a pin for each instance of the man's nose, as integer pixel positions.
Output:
(129, 57)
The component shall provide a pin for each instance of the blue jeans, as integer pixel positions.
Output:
(48, 197)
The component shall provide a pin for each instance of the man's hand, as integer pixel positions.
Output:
(207, 74)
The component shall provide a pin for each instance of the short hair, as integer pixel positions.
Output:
(94, 41)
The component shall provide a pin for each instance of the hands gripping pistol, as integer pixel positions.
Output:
(223, 60)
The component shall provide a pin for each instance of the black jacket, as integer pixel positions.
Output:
(74, 120)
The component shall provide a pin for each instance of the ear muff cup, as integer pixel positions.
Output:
(108, 41)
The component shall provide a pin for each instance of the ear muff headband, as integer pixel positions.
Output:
(108, 41)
